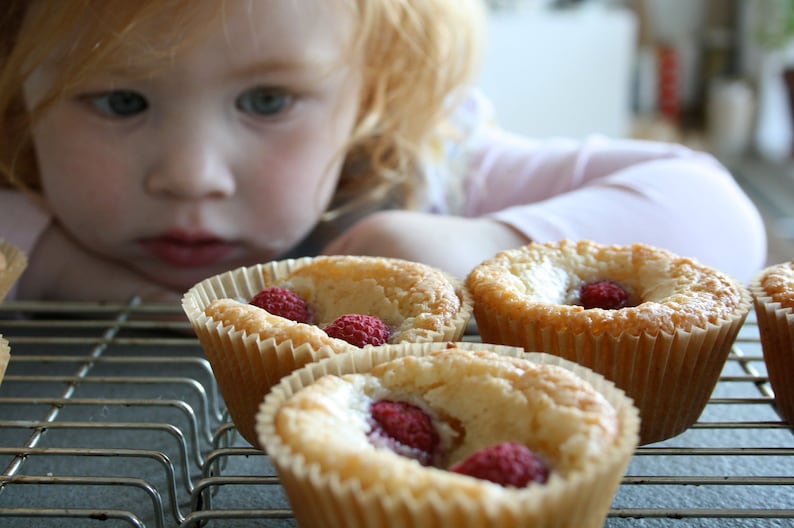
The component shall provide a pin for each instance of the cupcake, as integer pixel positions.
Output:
(659, 325)
(12, 263)
(259, 323)
(439, 435)
(5, 356)
(773, 298)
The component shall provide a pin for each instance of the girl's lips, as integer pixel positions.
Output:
(187, 250)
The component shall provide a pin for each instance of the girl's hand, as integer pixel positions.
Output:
(452, 243)
(59, 268)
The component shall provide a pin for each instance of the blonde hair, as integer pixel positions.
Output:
(415, 56)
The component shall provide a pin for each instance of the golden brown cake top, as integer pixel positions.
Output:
(256, 321)
(777, 282)
(406, 295)
(416, 301)
(476, 399)
(666, 292)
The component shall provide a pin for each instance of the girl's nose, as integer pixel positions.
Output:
(190, 169)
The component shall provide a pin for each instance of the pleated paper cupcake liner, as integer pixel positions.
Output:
(329, 499)
(16, 262)
(670, 377)
(5, 356)
(246, 364)
(776, 329)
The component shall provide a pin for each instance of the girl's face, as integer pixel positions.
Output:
(225, 157)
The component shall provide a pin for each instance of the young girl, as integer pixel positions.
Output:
(150, 144)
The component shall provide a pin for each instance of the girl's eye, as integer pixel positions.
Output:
(263, 101)
(119, 103)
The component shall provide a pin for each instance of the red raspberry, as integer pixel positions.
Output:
(284, 303)
(506, 464)
(603, 294)
(408, 425)
(359, 329)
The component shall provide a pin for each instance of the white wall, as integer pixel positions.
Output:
(561, 72)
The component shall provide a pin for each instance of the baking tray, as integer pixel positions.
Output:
(109, 416)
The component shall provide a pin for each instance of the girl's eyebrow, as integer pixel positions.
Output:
(301, 65)
(137, 72)
(270, 66)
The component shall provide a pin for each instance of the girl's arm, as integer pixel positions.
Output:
(22, 222)
(607, 191)
(22, 219)
(58, 268)
(618, 191)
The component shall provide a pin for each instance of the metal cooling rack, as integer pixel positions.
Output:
(109, 416)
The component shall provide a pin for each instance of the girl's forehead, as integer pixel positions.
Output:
(133, 37)
(286, 25)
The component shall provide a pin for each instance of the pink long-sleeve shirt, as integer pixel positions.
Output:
(618, 191)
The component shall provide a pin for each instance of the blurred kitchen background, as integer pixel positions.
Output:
(717, 75)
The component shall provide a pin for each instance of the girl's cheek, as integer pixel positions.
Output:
(78, 179)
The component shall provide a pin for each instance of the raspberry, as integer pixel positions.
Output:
(603, 294)
(284, 303)
(407, 425)
(506, 464)
(359, 329)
